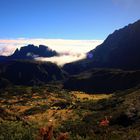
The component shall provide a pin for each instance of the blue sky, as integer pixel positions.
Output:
(65, 19)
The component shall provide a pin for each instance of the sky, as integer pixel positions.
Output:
(66, 20)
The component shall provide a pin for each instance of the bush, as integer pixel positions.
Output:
(13, 130)
(36, 110)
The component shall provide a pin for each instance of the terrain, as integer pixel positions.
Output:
(83, 116)
(103, 80)
(25, 72)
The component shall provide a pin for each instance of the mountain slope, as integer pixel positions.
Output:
(29, 72)
(3, 58)
(121, 49)
(103, 80)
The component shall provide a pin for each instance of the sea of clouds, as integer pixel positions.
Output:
(69, 50)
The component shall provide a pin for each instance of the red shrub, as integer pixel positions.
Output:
(104, 122)
(46, 133)
(63, 136)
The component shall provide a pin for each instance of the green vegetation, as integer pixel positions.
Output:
(16, 130)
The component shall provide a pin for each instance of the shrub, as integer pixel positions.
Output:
(13, 130)
(36, 110)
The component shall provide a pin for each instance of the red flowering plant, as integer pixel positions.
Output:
(105, 121)
(63, 136)
(45, 133)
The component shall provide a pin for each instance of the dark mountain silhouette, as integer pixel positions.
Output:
(120, 50)
(3, 58)
(31, 52)
(29, 73)
(21, 69)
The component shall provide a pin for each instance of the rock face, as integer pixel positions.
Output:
(121, 49)
(31, 52)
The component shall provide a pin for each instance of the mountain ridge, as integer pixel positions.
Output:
(120, 50)
(31, 51)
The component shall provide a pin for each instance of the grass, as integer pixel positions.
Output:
(84, 96)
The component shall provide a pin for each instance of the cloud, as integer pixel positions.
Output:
(62, 59)
(70, 50)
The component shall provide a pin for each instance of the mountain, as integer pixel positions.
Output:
(3, 58)
(120, 50)
(31, 52)
(29, 73)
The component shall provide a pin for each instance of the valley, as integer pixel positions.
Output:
(96, 98)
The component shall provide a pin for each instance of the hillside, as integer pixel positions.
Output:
(3, 58)
(120, 50)
(103, 80)
(29, 72)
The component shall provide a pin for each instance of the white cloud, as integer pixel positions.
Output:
(70, 50)
(62, 59)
